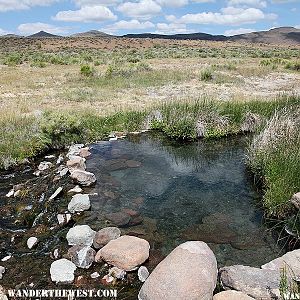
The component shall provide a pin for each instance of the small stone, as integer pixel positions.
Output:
(95, 275)
(56, 193)
(75, 190)
(45, 165)
(296, 200)
(143, 273)
(50, 156)
(6, 258)
(10, 193)
(56, 253)
(83, 178)
(84, 152)
(105, 235)
(80, 235)
(82, 256)
(79, 203)
(60, 159)
(63, 218)
(76, 163)
(62, 271)
(2, 271)
(74, 150)
(63, 172)
(117, 273)
(31, 242)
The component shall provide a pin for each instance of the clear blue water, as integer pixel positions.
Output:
(179, 192)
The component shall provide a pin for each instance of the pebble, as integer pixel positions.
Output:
(95, 275)
(79, 203)
(6, 258)
(63, 218)
(10, 193)
(31, 242)
(62, 271)
(80, 235)
(56, 193)
(76, 189)
(45, 165)
(143, 273)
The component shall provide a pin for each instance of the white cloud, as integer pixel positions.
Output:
(172, 3)
(3, 32)
(131, 25)
(203, 1)
(144, 9)
(251, 3)
(7, 5)
(171, 28)
(231, 32)
(297, 26)
(30, 28)
(227, 16)
(97, 13)
(81, 3)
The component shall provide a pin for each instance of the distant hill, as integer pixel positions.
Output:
(11, 35)
(279, 35)
(92, 33)
(43, 34)
(187, 36)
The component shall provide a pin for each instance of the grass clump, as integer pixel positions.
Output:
(87, 71)
(206, 75)
(274, 156)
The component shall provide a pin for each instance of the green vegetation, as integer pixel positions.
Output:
(206, 75)
(87, 71)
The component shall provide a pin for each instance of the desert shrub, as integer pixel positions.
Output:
(87, 71)
(206, 75)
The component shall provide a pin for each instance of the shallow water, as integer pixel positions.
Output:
(168, 193)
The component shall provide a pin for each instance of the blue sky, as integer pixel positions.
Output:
(227, 17)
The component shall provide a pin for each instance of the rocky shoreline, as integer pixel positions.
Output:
(190, 271)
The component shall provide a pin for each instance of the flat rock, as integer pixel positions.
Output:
(79, 203)
(62, 271)
(76, 163)
(83, 178)
(289, 261)
(82, 256)
(254, 282)
(232, 295)
(126, 252)
(105, 235)
(80, 235)
(188, 272)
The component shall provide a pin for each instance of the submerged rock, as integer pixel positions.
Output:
(83, 178)
(289, 261)
(126, 252)
(31, 242)
(76, 163)
(79, 203)
(62, 271)
(232, 295)
(2, 271)
(105, 235)
(119, 218)
(254, 282)
(188, 272)
(82, 256)
(80, 235)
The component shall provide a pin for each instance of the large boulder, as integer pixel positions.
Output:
(254, 282)
(126, 252)
(83, 178)
(76, 163)
(79, 203)
(82, 256)
(232, 295)
(105, 235)
(62, 271)
(189, 272)
(289, 261)
(80, 235)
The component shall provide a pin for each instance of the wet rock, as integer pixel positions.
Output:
(2, 271)
(80, 235)
(63, 218)
(84, 152)
(82, 256)
(105, 235)
(296, 200)
(133, 164)
(74, 150)
(76, 163)
(75, 190)
(143, 273)
(31, 242)
(45, 165)
(56, 193)
(289, 261)
(79, 203)
(232, 295)
(83, 178)
(189, 272)
(125, 252)
(62, 271)
(119, 218)
(254, 282)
